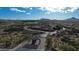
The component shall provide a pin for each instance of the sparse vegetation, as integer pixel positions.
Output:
(13, 33)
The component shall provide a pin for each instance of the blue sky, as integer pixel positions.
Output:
(33, 13)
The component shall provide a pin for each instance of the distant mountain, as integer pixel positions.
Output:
(72, 18)
(44, 19)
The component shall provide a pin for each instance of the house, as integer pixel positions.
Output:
(53, 33)
(63, 28)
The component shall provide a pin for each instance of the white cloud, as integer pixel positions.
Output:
(72, 9)
(17, 10)
(30, 8)
(48, 10)
(28, 13)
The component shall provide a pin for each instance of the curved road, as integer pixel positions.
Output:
(25, 46)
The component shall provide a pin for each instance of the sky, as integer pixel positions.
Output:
(34, 13)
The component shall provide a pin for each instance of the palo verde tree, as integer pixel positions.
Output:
(48, 42)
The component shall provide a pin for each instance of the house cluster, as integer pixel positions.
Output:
(66, 30)
(57, 31)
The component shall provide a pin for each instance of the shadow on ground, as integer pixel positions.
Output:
(30, 46)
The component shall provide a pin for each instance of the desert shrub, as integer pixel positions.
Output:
(58, 27)
(65, 39)
(48, 42)
(66, 47)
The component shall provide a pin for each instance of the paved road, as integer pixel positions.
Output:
(43, 41)
(24, 46)
(19, 46)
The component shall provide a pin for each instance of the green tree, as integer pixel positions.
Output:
(48, 42)
(58, 27)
